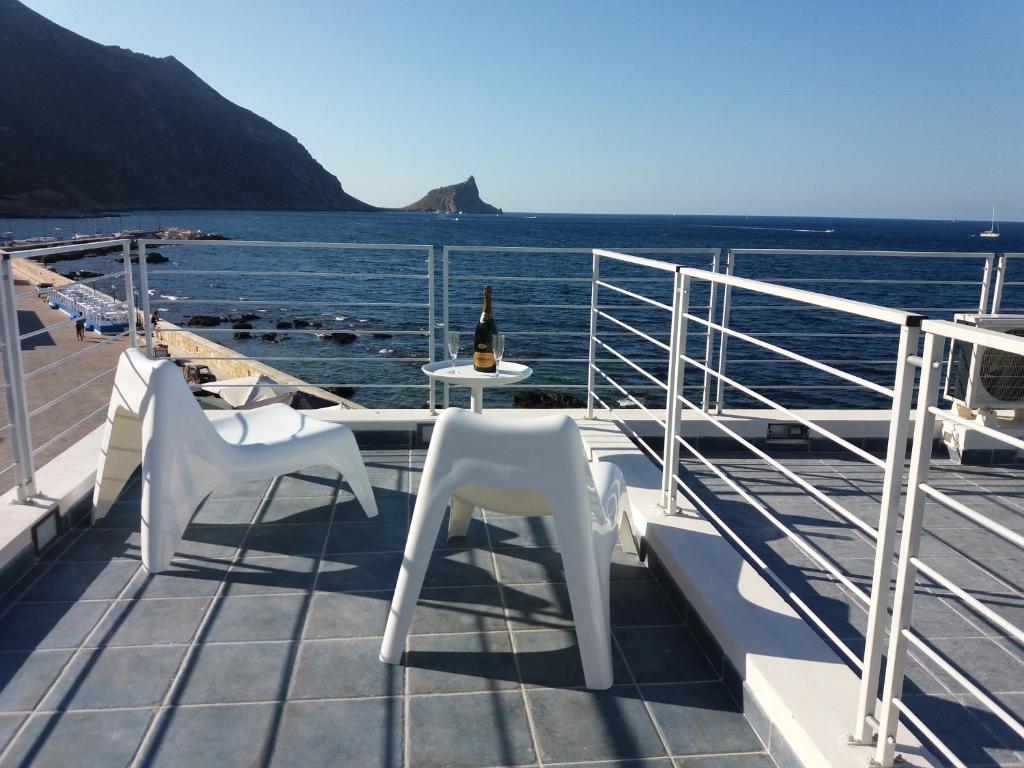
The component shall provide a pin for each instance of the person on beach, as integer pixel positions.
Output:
(80, 328)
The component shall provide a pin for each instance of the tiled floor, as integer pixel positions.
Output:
(259, 647)
(990, 569)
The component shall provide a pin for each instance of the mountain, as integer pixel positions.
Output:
(458, 198)
(86, 128)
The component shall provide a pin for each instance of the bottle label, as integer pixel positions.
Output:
(483, 360)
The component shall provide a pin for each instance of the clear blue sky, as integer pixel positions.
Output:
(892, 109)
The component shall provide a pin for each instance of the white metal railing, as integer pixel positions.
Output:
(910, 563)
(426, 275)
(1002, 282)
(24, 449)
(549, 320)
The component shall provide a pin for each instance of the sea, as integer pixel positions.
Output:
(380, 296)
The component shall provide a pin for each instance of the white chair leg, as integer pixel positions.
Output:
(460, 518)
(586, 596)
(426, 522)
(350, 464)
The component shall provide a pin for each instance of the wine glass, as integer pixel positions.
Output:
(452, 340)
(499, 352)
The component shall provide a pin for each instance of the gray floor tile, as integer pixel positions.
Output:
(348, 614)
(9, 725)
(253, 489)
(963, 730)
(984, 661)
(459, 568)
(537, 606)
(271, 575)
(256, 617)
(215, 511)
(358, 732)
(26, 676)
(216, 542)
(285, 539)
(232, 734)
(122, 514)
(626, 567)
(150, 622)
(391, 506)
(574, 725)
(349, 668)
(95, 739)
(105, 678)
(235, 672)
(315, 481)
(458, 609)
(655, 762)
(371, 536)
(186, 577)
(529, 565)
(664, 655)
(508, 531)
(752, 760)
(700, 718)
(481, 661)
(641, 603)
(493, 730)
(49, 625)
(100, 545)
(297, 510)
(475, 538)
(551, 658)
(358, 572)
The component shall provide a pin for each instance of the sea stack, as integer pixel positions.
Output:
(457, 198)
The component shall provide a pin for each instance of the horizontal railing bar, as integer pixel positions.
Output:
(776, 361)
(849, 252)
(980, 336)
(795, 356)
(877, 281)
(70, 429)
(355, 331)
(818, 494)
(306, 359)
(539, 250)
(299, 303)
(987, 431)
(524, 279)
(630, 363)
(632, 295)
(8, 468)
(324, 385)
(789, 308)
(70, 392)
(53, 250)
(880, 463)
(633, 330)
(632, 399)
(780, 585)
(834, 303)
(936, 656)
(289, 244)
(819, 334)
(639, 261)
(976, 605)
(73, 355)
(637, 439)
(297, 273)
(962, 509)
(929, 734)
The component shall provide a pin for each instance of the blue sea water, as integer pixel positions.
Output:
(552, 338)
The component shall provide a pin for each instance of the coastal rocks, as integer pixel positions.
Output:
(457, 198)
(204, 321)
(180, 233)
(379, 335)
(301, 322)
(339, 337)
(341, 391)
(533, 398)
(284, 324)
(242, 330)
(82, 274)
(270, 337)
(152, 257)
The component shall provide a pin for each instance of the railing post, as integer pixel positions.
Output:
(129, 293)
(144, 293)
(595, 275)
(730, 263)
(444, 312)
(430, 322)
(709, 347)
(892, 485)
(906, 571)
(986, 283)
(997, 293)
(17, 400)
(676, 369)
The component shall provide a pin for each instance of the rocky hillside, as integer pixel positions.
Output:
(87, 128)
(458, 198)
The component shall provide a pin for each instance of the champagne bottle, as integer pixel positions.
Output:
(483, 337)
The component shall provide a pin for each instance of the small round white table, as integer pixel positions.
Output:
(462, 374)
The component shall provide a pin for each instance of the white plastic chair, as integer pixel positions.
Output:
(528, 467)
(186, 452)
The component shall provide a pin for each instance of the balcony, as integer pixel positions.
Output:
(778, 573)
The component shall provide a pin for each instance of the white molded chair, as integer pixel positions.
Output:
(186, 452)
(528, 467)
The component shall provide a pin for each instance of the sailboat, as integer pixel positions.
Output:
(992, 231)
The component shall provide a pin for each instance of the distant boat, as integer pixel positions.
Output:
(992, 231)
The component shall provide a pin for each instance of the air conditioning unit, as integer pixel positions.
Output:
(979, 378)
